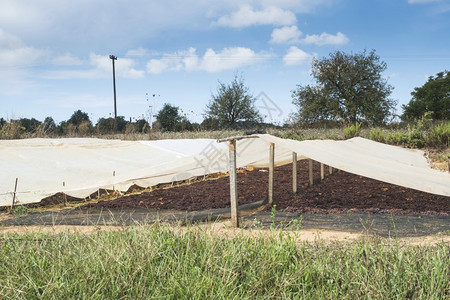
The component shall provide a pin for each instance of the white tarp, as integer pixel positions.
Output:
(79, 167)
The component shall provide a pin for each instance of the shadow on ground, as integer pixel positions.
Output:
(382, 225)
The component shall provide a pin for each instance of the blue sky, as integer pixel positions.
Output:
(54, 54)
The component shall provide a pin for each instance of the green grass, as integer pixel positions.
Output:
(156, 262)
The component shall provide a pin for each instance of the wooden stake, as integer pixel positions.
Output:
(311, 179)
(330, 169)
(294, 172)
(322, 173)
(233, 184)
(271, 170)
(65, 197)
(14, 194)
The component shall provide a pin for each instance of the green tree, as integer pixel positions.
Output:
(49, 126)
(29, 125)
(79, 117)
(169, 118)
(349, 89)
(233, 105)
(78, 124)
(433, 97)
(142, 125)
(106, 125)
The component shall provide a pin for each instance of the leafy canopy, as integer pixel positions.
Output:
(169, 119)
(233, 105)
(349, 88)
(432, 97)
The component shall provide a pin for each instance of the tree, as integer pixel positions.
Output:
(350, 89)
(49, 125)
(433, 97)
(79, 117)
(106, 125)
(78, 124)
(29, 125)
(233, 105)
(168, 118)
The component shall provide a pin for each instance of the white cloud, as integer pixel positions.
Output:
(99, 66)
(15, 53)
(188, 60)
(123, 66)
(286, 35)
(246, 16)
(139, 52)
(422, 1)
(230, 58)
(185, 59)
(326, 39)
(296, 56)
(68, 60)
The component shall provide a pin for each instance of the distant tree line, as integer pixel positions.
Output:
(349, 89)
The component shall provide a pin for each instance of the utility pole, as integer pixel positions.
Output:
(113, 58)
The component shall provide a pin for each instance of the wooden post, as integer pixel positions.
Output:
(311, 179)
(233, 184)
(294, 172)
(65, 197)
(114, 174)
(322, 173)
(271, 169)
(330, 169)
(14, 194)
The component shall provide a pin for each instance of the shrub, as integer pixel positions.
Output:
(11, 130)
(352, 131)
(439, 135)
(377, 135)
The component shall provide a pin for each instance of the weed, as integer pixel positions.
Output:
(19, 210)
(273, 214)
(352, 130)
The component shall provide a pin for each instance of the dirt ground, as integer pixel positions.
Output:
(342, 207)
(339, 192)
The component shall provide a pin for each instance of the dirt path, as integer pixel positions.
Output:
(382, 225)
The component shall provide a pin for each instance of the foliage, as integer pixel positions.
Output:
(168, 117)
(78, 124)
(157, 262)
(29, 125)
(440, 135)
(142, 126)
(210, 123)
(350, 88)
(377, 135)
(49, 126)
(19, 210)
(78, 117)
(10, 130)
(352, 130)
(106, 125)
(233, 106)
(432, 97)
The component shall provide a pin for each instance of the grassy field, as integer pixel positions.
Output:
(144, 262)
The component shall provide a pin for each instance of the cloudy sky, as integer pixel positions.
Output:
(54, 54)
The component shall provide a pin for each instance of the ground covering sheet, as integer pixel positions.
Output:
(79, 167)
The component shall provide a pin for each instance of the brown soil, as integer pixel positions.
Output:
(340, 192)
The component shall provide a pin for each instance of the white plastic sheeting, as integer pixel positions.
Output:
(79, 167)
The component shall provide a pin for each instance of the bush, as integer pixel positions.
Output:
(11, 130)
(377, 135)
(439, 135)
(352, 131)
